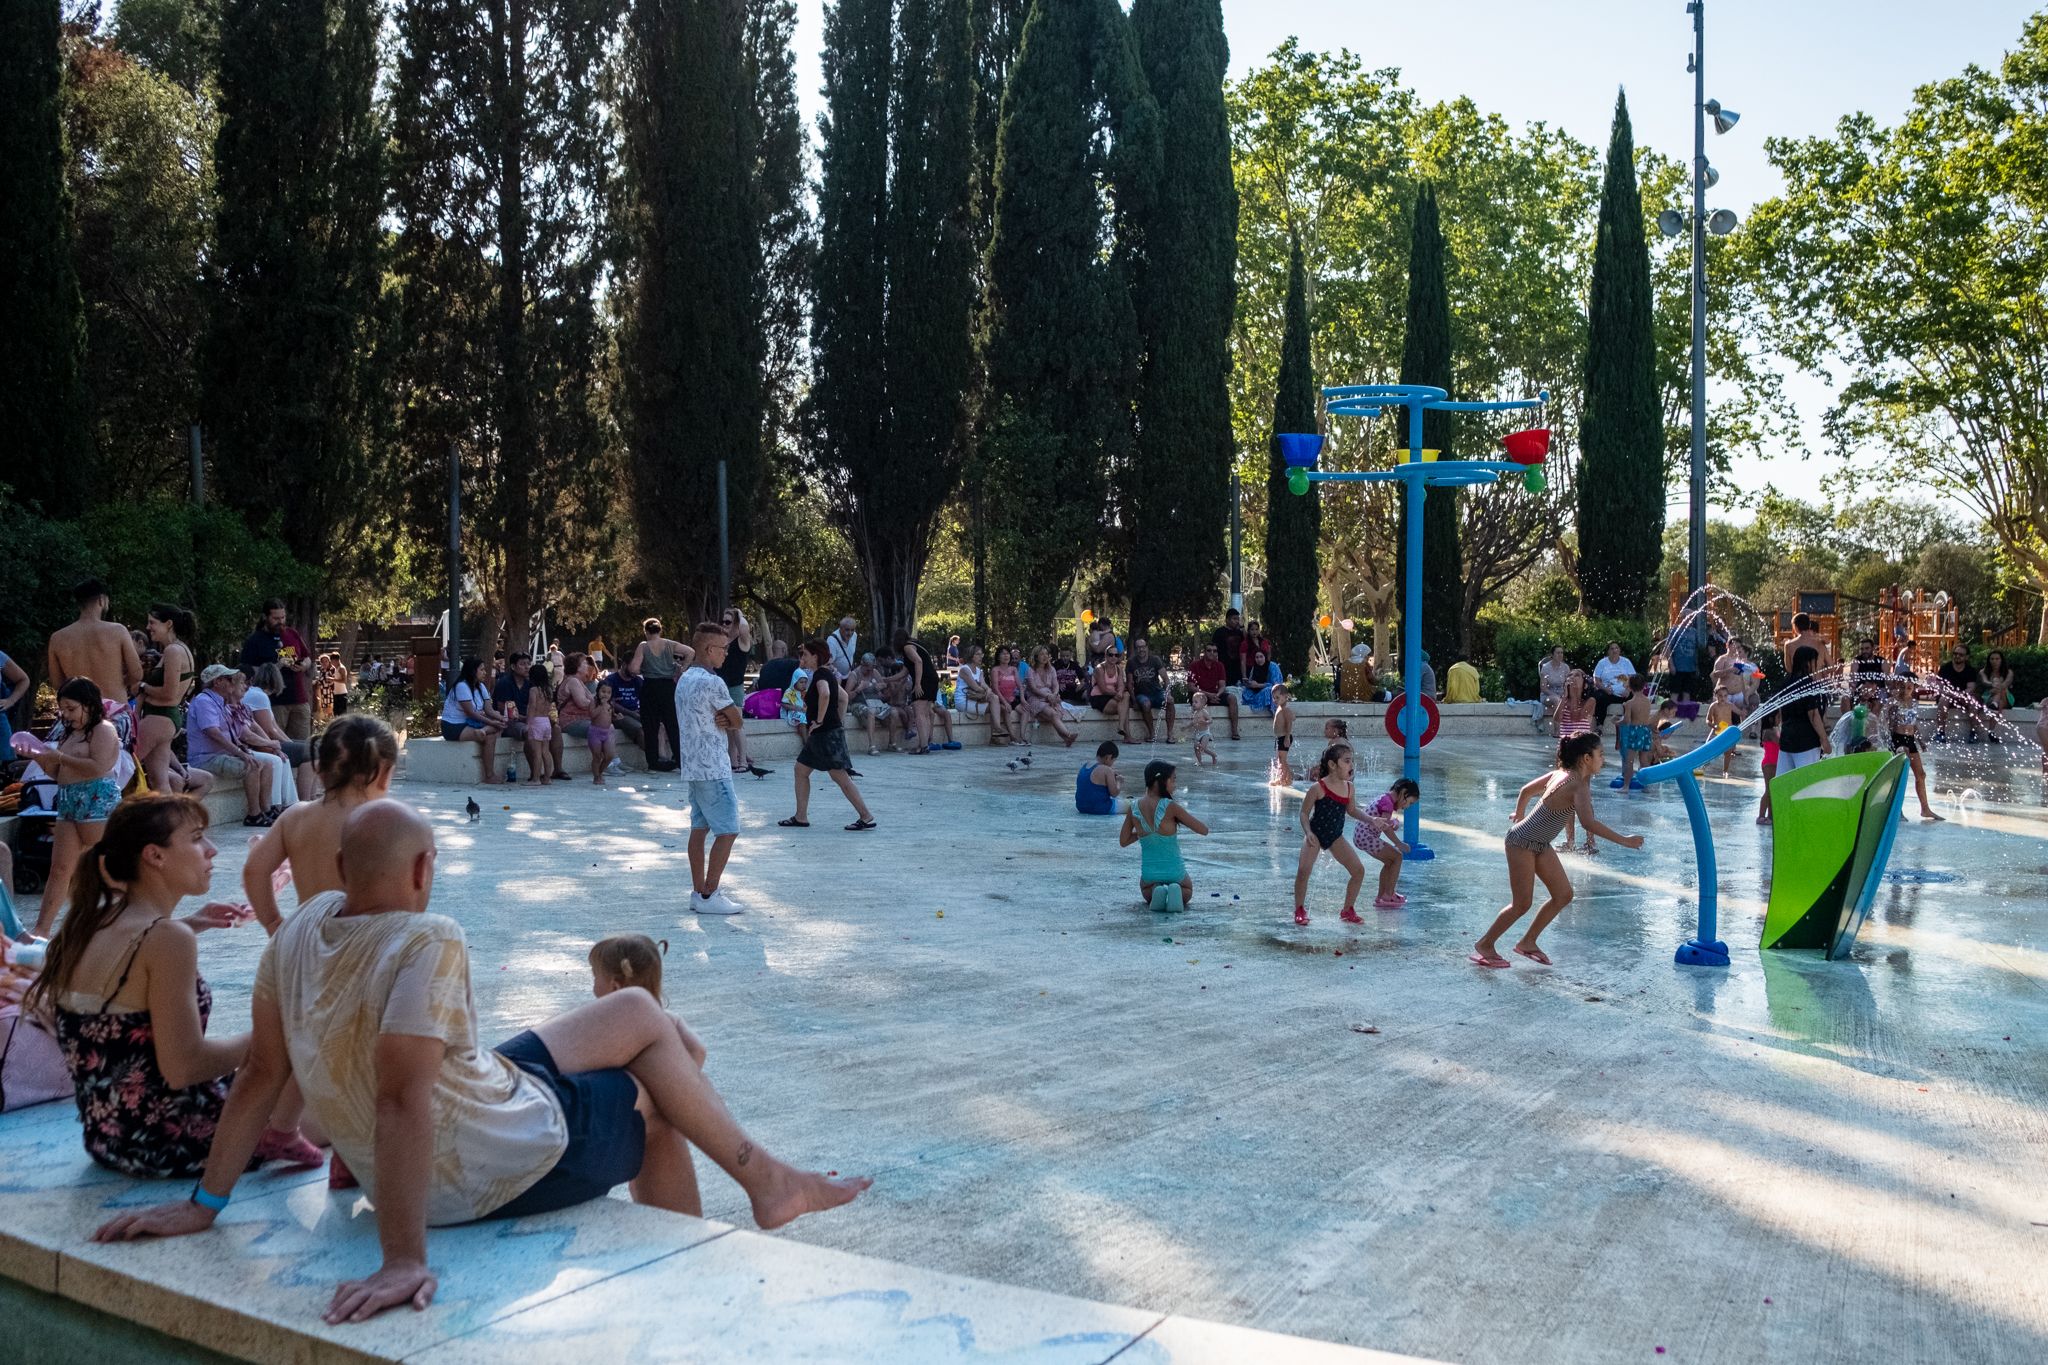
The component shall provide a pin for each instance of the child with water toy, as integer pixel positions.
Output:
(1377, 835)
(1557, 796)
(1323, 808)
(1153, 822)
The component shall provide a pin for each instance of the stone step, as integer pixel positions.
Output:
(606, 1280)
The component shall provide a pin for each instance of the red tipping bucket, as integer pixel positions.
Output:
(1528, 447)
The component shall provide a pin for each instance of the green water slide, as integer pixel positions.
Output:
(1832, 832)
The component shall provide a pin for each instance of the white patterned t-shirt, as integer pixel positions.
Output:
(342, 982)
(700, 696)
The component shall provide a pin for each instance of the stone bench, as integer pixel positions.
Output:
(604, 1281)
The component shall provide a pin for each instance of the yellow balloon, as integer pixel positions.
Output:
(1087, 618)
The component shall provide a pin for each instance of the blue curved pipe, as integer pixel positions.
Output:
(1705, 950)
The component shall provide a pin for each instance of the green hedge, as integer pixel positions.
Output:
(1519, 646)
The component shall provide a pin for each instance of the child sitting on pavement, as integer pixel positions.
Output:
(1098, 784)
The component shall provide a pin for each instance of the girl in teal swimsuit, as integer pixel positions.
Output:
(1153, 822)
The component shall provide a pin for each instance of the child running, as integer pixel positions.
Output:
(1323, 808)
(355, 758)
(1205, 738)
(1557, 795)
(1375, 834)
(540, 727)
(1153, 822)
(602, 738)
(1283, 737)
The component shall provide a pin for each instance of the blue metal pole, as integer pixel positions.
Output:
(1413, 718)
(1705, 950)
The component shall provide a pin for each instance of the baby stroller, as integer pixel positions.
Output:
(34, 835)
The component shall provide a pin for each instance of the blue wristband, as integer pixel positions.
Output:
(204, 1200)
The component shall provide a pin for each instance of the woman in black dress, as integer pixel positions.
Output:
(825, 750)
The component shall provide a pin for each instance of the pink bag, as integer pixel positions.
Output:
(32, 1069)
(763, 705)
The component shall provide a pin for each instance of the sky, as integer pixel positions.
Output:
(1791, 68)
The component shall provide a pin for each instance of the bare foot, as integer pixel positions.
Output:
(1930, 815)
(791, 1194)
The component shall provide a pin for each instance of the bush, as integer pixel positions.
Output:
(1492, 687)
(1314, 687)
(1519, 646)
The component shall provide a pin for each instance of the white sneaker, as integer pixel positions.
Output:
(717, 903)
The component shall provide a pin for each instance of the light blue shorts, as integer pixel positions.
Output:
(714, 806)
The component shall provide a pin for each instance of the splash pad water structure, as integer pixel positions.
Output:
(1419, 472)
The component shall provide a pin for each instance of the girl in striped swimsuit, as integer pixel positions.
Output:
(1558, 795)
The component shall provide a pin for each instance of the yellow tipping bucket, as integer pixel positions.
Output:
(1428, 455)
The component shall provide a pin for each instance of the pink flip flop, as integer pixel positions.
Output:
(1488, 961)
(1534, 955)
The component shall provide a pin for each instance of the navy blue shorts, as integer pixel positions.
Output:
(607, 1136)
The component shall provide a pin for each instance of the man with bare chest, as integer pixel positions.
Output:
(92, 647)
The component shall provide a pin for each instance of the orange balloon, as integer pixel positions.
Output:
(1087, 618)
(1324, 620)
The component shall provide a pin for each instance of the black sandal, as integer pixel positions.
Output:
(793, 823)
(862, 824)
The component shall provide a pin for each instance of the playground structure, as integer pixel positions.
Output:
(1413, 722)
(1925, 625)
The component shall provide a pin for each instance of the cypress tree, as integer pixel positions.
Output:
(998, 30)
(296, 269)
(501, 165)
(1426, 359)
(1621, 428)
(1059, 335)
(45, 430)
(1293, 524)
(930, 329)
(788, 241)
(1176, 498)
(696, 347)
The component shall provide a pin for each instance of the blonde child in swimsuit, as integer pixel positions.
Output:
(1198, 722)
(1721, 716)
(1557, 796)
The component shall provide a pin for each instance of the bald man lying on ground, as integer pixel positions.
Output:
(383, 1044)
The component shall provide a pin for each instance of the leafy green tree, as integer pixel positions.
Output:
(695, 349)
(43, 405)
(1426, 359)
(1293, 524)
(1910, 261)
(177, 39)
(295, 270)
(1058, 336)
(141, 175)
(1621, 462)
(1175, 499)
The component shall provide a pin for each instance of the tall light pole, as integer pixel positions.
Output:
(1720, 223)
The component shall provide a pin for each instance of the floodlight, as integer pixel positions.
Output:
(1671, 222)
(1724, 119)
(1713, 177)
(1721, 222)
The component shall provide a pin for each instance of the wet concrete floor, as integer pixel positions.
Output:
(1347, 1134)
